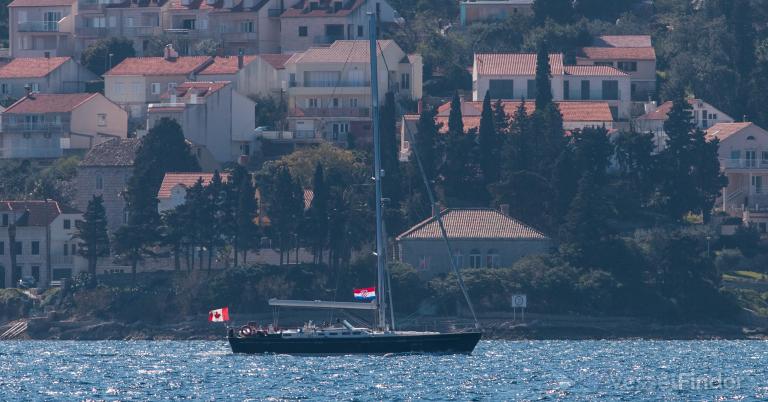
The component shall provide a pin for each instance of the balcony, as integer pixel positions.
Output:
(142, 31)
(239, 36)
(331, 112)
(62, 260)
(744, 163)
(37, 127)
(39, 26)
(191, 33)
(92, 31)
(330, 84)
(84, 5)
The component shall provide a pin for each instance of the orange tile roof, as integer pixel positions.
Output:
(276, 60)
(623, 41)
(722, 131)
(594, 71)
(31, 67)
(473, 223)
(514, 63)
(144, 66)
(199, 88)
(41, 3)
(661, 112)
(572, 111)
(226, 65)
(341, 51)
(171, 180)
(619, 53)
(48, 103)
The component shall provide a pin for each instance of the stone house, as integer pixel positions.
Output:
(43, 245)
(480, 238)
(23, 75)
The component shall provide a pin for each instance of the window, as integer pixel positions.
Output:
(303, 31)
(67, 224)
(101, 119)
(352, 102)
(118, 88)
(627, 66)
(610, 90)
(129, 22)
(2, 248)
(99, 182)
(360, 31)
(604, 63)
(585, 90)
(35, 247)
(66, 249)
(74, 248)
(36, 273)
(35, 86)
(405, 81)
(155, 88)
(458, 259)
(335, 102)
(501, 89)
(475, 259)
(313, 103)
(566, 90)
(492, 259)
(531, 90)
(424, 262)
(5, 89)
(18, 248)
(246, 26)
(5, 219)
(172, 86)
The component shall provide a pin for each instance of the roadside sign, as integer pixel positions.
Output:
(519, 301)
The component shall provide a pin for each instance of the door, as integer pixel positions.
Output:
(2, 277)
(757, 184)
(51, 21)
(751, 158)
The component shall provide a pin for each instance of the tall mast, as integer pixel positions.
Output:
(380, 249)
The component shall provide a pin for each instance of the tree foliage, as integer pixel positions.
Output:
(96, 57)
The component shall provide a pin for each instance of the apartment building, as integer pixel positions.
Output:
(743, 157)
(310, 23)
(36, 240)
(212, 115)
(329, 96)
(47, 125)
(472, 11)
(41, 27)
(704, 116)
(23, 75)
(137, 20)
(632, 54)
(512, 76)
(138, 81)
(576, 115)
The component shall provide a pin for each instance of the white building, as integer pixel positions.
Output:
(703, 117)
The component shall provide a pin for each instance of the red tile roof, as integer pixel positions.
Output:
(144, 66)
(572, 111)
(31, 67)
(594, 71)
(663, 110)
(302, 9)
(623, 41)
(48, 103)
(36, 213)
(199, 88)
(41, 3)
(473, 223)
(171, 180)
(276, 60)
(226, 65)
(342, 51)
(722, 131)
(619, 53)
(514, 63)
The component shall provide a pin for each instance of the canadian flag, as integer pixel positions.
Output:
(219, 315)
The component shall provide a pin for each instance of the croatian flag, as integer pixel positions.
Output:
(219, 315)
(365, 294)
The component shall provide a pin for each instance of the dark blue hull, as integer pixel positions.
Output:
(463, 342)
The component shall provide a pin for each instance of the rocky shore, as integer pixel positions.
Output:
(535, 327)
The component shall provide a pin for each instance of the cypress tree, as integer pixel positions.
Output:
(286, 207)
(677, 190)
(489, 143)
(318, 214)
(92, 232)
(423, 145)
(457, 150)
(246, 231)
(543, 82)
(390, 162)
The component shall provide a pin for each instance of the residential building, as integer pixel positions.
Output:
(513, 76)
(137, 20)
(46, 125)
(173, 190)
(632, 54)
(576, 116)
(329, 96)
(480, 238)
(138, 81)
(704, 116)
(471, 11)
(23, 75)
(39, 28)
(104, 171)
(257, 75)
(310, 23)
(40, 235)
(212, 115)
(743, 157)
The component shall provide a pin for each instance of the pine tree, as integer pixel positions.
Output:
(587, 223)
(677, 189)
(543, 82)
(707, 176)
(489, 143)
(286, 208)
(92, 232)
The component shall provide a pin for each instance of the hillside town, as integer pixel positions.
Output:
(574, 153)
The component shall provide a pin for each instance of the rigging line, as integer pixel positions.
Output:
(389, 280)
(439, 219)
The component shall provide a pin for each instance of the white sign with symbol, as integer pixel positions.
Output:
(519, 301)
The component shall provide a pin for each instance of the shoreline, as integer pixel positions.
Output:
(500, 327)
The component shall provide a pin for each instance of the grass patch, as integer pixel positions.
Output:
(752, 299)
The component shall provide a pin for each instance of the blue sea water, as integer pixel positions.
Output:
(498, 370)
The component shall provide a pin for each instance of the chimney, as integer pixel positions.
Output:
(28, 88)
(436, 209)
(240, 57)
(170, 54)
(650, 106)
(504, 208)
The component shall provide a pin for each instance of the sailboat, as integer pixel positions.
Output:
(343, 337)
